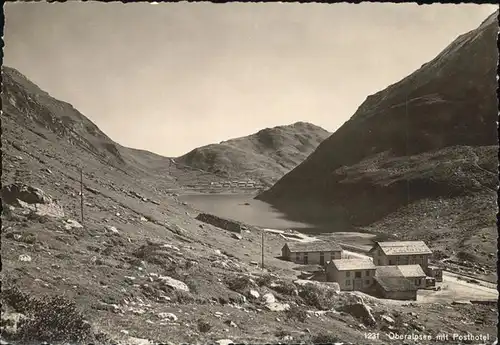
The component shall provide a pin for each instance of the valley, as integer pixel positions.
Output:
(105, 244)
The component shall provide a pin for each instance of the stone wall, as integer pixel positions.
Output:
(219, 222)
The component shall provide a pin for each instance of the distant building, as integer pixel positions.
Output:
(401, 253)
(390, 282)
(317, 252)
(351, 274)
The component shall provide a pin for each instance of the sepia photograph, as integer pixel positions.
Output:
(249, 173)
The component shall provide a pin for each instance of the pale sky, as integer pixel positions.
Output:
(174, 76)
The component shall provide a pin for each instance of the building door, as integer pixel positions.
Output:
(321, 259)
(358, 284)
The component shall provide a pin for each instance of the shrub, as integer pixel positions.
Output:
(296, 313)
(321, 298)
(286, 288)
(203, 326)
(265, 280)
(239, 283)
(182, 297)
(51, 319)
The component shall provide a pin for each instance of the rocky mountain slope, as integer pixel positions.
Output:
(264, 156)
(426, 141)
(139, 266)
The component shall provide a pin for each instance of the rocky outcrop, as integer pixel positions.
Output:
(30, 201)
(29, 194)
(360, 311)
(222, 223)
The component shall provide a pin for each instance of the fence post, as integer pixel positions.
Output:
(81, 194)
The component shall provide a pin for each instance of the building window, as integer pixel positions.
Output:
(367, 273)
(297, 256)
(348, 274)
(417, 281)
(367, 282)
(357, 274)
(347, 282)
(391, 262)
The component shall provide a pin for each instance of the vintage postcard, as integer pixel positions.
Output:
(249, 173)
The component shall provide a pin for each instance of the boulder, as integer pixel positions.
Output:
(224, 342)
(25, 258)
(30, 195)
(236, 236)
(277, 306)
(167, 316)
(11, 322)
(360, 311)
(50, 209)
(70, 224)
(254, 294)
(387, 319)
(112, 229)
(173, 283)
(269, 298)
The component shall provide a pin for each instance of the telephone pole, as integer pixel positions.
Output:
(262, 248)
(81, 193)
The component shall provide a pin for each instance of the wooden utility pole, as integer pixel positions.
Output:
(262, 248)
(81, 193)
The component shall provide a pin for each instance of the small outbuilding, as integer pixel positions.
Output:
(389, 282)
(414, 273)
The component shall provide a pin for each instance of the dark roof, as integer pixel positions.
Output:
(315, 246)
(391, 279)
(403, 247)
(388, 271)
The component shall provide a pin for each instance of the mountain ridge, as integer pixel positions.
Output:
(263, 156)
(430, 136)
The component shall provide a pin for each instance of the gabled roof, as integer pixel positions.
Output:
(412, 271)
(352, 264)
(391, 279)
(403, 247)
(315, 246)
(406, 271)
